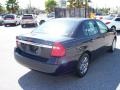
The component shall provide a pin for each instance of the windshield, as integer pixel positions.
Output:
(57, 27)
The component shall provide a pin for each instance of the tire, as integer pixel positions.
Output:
(113, 46)
(83, 65)
(22, 26)
(41, 22)
(5, 25)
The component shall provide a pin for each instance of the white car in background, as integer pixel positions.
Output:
(29, 19)
(11, 19)
(112, 22)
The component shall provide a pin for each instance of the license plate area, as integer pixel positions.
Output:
(31, 49)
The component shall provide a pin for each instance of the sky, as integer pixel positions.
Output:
(40, 3)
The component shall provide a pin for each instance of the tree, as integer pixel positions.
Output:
(50, 5)
(78, 3)
(12, 6)
(2, 9)
(75, 3)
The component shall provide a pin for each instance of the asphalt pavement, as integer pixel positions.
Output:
(103, 74)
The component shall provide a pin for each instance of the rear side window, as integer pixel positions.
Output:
(103, 28)
(89, 28)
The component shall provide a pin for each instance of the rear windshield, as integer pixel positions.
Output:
(58, 27)
(9, 16)
(27, 17)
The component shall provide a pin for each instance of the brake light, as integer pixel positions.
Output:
(107, 23)
(58, 50)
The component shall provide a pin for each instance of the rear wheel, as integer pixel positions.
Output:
(5, 25)
(83, 65)
(22, 26)
(41, 22)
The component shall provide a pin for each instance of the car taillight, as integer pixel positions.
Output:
(107, 23)
(58, 50)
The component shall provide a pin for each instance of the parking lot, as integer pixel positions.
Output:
(104, 72)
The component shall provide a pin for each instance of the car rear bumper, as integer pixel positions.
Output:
(36, 65)
(41, 66)
(26, 23)
(9, 23)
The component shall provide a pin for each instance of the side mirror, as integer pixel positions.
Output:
(112, 30)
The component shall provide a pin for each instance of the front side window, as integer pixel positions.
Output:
(89, 28)
(103, 28)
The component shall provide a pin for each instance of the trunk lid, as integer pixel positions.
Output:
(39, 44)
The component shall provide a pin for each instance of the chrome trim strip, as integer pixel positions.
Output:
(35, 44)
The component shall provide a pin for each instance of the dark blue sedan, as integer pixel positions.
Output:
(63, 45)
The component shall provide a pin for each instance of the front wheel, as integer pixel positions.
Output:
(83, 65)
